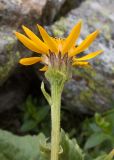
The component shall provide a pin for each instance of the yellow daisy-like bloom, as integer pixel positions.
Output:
(56, 52)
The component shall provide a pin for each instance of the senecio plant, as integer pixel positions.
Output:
(58, 55)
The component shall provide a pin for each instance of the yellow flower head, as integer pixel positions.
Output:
(56, 52)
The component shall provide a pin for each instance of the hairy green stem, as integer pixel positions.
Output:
(57, 80)
(56, 91)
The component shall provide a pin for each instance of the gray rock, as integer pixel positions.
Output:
(8, 53)
(13, 14)
(51, 9)
(91, 89)
(17, 12)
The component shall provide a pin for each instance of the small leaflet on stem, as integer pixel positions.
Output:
(46, 95)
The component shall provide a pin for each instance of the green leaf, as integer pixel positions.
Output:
(19, 148)
(96, 139)
(46, 94)
(28, 125)
(103, 123)
(109, 156)
(94, 127)
(33, 116)
(101, 157)
(70, 149)
(41, 114)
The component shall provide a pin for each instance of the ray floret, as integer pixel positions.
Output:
(89, 56)
(30, 61)
(73, 36)
(48, 40)
(85, 44)
(35, 39)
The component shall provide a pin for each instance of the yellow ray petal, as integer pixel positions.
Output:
(89, 56)
(48, 40)
(27, 42)
(85, 44)
(71, 39)
(42, 46)
(60, 42)
(43, 69)
(75, 63)
(30, 61)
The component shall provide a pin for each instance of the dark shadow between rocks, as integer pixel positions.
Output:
(67, 6)
(56, 9)
(19, 85)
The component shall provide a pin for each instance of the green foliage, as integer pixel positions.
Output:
(34, 114)
(36, 148)
(19, 148)
(106, 157)
(99, 133)
(71, 149)
(96, 139)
